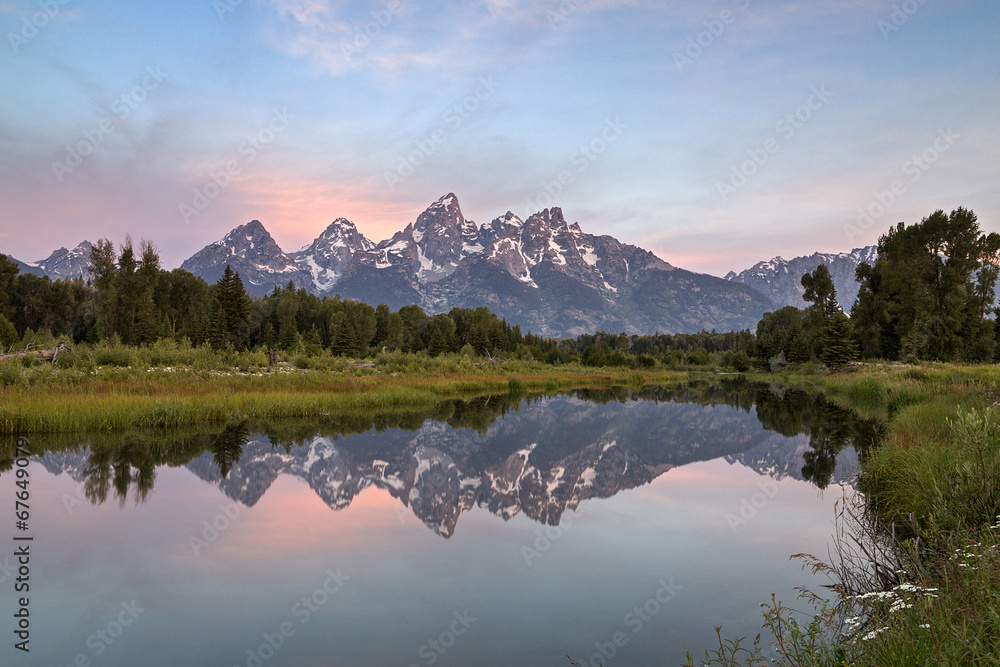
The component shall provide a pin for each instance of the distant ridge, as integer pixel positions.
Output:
(780, 280)
(62, 263)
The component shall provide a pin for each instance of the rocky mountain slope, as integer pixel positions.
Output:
(251, 251)
(780, 280)
(62, 263)
(543, 273)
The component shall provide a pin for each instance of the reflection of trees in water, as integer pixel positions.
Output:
(830, 428)
(119, 468)
(788, 412)
(119, 463)
(228, 446)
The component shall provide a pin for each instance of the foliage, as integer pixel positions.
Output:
(230, 312)
(931, 291)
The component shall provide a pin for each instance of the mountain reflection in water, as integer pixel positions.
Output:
(509, 454)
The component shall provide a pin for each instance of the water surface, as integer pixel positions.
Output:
(498, 531)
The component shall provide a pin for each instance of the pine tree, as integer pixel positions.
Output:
(838, 342)
(345, 340)
(231, 312)
(238, 314)
(269, 339)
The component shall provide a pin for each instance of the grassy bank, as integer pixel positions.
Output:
(109, 388)
(917, 565)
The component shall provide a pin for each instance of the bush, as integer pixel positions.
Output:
(11, 373)
(741, 362)
(8, 335)
(111, 352)
(698, 357)
(777, 362)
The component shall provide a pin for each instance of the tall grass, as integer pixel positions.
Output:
(222, 387)
(925, 585)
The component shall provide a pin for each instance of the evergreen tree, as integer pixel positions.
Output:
(838, 342)
(127, 292)
(8, 272)
(345, 340)
(231, 312)
(8, 334)
(103, 266)
(269, 339)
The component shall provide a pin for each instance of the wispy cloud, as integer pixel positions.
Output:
(399, 35)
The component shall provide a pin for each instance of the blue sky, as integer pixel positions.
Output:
(715, 134)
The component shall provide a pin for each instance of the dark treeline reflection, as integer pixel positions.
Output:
(121, 465)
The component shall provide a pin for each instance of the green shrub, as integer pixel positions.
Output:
(11, 373)
(111, 352)
(8, 335)
(741, 362)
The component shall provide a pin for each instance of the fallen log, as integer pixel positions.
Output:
(50, 354)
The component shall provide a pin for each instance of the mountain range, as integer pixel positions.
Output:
(780, 280)
(543, 273)
(62, 263)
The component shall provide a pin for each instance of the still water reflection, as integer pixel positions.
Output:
(495, 531)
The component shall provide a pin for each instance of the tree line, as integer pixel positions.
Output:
(930, 294)
(130, 298)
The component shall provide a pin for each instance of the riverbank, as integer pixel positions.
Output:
(80, 395)
(917, 567)
(933, 482)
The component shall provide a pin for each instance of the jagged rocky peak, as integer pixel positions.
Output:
(343, 232)
(329, 255)
(546, 237)
(443, 237)
(252, 241)
(443, 218)
(779, 279)
(62, 263)
(252, 252)
(507, 224)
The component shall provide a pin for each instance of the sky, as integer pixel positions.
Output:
(715, 134)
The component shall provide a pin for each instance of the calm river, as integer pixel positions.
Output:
(612, 526)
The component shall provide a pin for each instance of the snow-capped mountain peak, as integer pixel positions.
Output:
(252, 252)
(781, 280)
